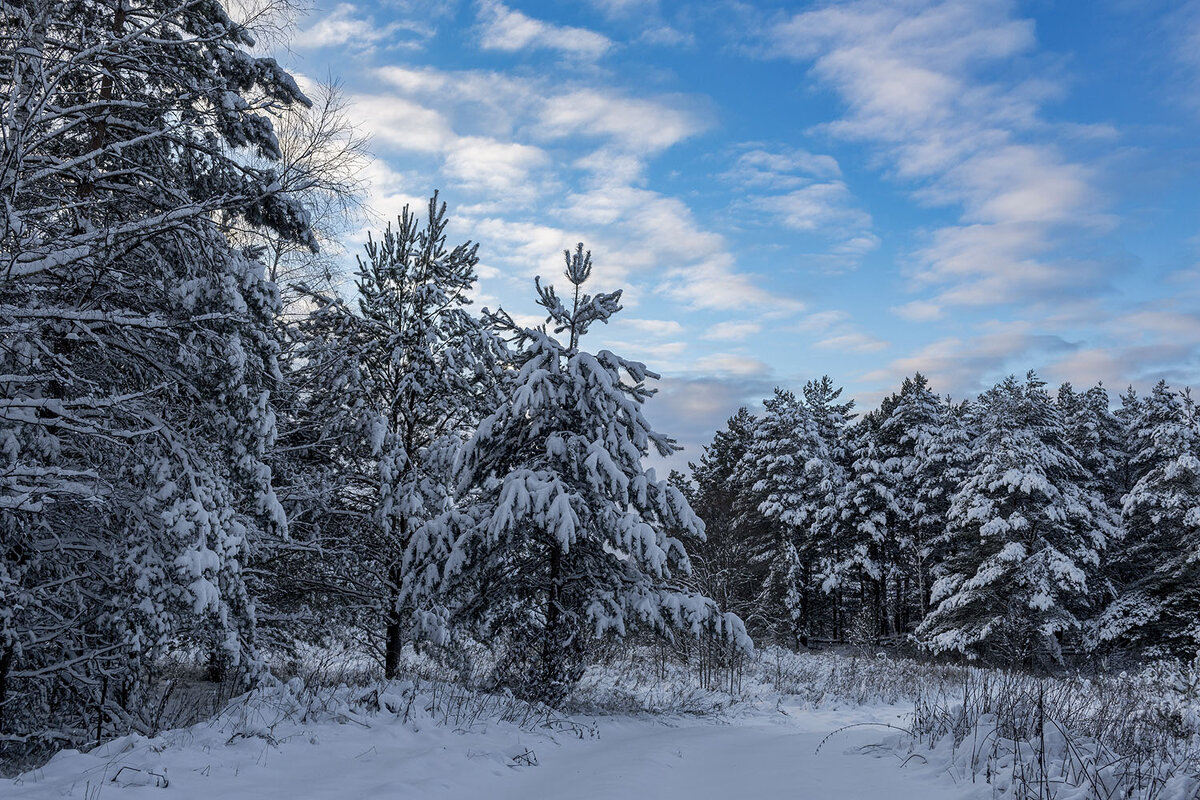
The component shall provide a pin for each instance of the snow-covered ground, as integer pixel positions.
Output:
(793, 725)
(759, 753)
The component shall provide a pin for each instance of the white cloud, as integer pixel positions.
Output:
(346, 27)
(816, 207)
(617, 8)
(500, 169)
(919, 311)
(400, 123)
(660, 328)
(852, 343)
(966, 366)
(829, 212)
(644, 233)
(639, 126)
(784, 170)
(506, 29)
(822, 320)
(654, 354)
(666, 36)
(731, 364)
(732, 331)
(911, 75)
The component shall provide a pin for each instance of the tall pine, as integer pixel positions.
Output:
(385, 395)
(574, 535)
(138, 350)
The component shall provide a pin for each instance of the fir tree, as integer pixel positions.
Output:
(869, 518)
(942, 453)
(1098, 436)
(730, 564)
(791, 478)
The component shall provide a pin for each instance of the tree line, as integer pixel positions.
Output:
(206, 454)
(1017, 529)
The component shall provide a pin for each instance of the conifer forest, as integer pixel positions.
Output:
(286, 505)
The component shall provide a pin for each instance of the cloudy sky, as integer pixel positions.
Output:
(863, 189)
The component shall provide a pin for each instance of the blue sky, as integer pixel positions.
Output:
(863, 189)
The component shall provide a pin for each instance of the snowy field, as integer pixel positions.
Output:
(761, 753)
(800, 726)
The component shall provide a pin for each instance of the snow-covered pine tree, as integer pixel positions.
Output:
(869, 519)
(892, 450)
(1127, 415)
(821, 398)
(1026, 535)
(1157, 564)
(573, 531)
(730, 565)
(138, 350)
(385, 394)
(791, 477)
(1098, 436)
(935, 455)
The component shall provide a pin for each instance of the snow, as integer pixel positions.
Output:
(764, 752)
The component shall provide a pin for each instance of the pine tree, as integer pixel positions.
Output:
(388, 395)
(139, 354)
(869, 516)
(791, 478)
(1098, 436)
(942, 453)
(573, 532)
(821, 398)
(885, 505)
(730, 565)
(1027, 536)
(1157, 565)
(1127, 415)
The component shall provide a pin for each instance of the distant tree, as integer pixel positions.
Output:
(1027, 535)
(730, 565)
(573, 532)
(868, 515)
(821, 398)
(941, 440)
(792, 481)
(1157, 564)
(1098, 436)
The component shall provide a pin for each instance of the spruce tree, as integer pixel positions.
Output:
(926, 469)
(792, 480)
(573, 536)
(869, 518)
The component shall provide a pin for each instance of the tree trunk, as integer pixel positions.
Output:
(552, 647)
(6, 657)
(393, 642)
